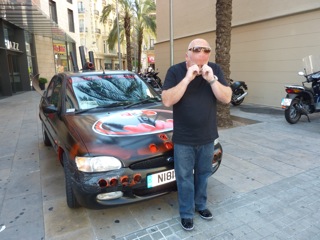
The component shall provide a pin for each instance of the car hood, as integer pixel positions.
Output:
(129, 134)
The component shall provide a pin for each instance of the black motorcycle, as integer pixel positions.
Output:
(301, 99)
(238, 92)
(152, 79)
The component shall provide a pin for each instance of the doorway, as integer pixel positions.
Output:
(14, 73)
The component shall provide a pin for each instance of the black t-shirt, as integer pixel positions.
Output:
(194, 116)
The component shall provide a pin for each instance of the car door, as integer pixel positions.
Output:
(53, 99)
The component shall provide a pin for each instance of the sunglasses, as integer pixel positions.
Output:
(199, 49)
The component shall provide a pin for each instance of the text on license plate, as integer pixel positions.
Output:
(160, 178)
(286, 102)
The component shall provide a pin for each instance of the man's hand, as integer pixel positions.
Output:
(192, 72)
(207, 72)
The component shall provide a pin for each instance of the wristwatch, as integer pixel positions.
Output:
(215, 78)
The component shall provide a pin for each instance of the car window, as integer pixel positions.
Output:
(71, 100)
(96, 90)
(54, 91)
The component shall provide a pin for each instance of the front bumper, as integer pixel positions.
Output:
(124, 186)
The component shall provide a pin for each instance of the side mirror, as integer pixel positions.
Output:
(50, 109)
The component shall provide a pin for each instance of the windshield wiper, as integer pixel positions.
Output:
(147, 100)
(116, 104)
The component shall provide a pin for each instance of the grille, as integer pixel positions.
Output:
(152, 163)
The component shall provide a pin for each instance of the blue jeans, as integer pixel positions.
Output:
(192, 166)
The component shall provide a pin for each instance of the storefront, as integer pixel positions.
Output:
(16, 50)
(31, 44)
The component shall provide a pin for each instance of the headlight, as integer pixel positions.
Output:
(97, 164)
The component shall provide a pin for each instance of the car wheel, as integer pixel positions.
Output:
(46, 139)
(71, 198)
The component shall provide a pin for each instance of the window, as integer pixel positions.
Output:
(81, 25)
(53, 11)
(69, 1)
(80, 7)
(54, 91)
(70, 19)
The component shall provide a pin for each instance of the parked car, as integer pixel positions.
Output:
(112, 136)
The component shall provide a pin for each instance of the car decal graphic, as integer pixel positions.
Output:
(135, 122)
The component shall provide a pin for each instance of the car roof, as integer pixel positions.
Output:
(89, 73)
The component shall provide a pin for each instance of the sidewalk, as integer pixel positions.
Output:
(268, 186)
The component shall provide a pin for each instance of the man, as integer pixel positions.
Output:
(193, 88)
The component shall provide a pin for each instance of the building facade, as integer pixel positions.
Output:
(94, 34)
(268, 40)
(36, 38)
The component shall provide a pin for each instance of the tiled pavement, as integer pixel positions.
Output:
(267, 187)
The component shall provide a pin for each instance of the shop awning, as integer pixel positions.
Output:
(29, 17)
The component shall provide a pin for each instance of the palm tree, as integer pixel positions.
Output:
(223, 45)
(124, 19)
(146, 22)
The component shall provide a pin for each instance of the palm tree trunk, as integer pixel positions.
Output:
(127, 27)
(223, 45)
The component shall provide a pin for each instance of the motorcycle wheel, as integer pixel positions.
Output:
(236, 94)
(292, 114)
(158, 80)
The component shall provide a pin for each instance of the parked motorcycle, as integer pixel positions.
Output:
(301, 99)
(153, 79)
(238, 92)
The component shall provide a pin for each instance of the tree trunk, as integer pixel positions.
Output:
(140, 39)
(223, 45)
(127, 29)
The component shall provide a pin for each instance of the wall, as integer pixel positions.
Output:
(269, 39)
(268, 55)
(45, 56)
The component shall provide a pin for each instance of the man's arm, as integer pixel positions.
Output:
(172, 95)
(222, 93)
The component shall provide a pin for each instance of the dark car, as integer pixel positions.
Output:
(112, 136)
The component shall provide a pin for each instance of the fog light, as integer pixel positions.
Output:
(168, 145)
(124, 180)
(153, 148)
(109, 196)
(103, 183)
(137, 177)
(113, 182)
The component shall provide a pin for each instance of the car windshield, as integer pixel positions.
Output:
(109, 90)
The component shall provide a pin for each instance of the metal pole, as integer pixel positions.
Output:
(119, 51)
(171, 34)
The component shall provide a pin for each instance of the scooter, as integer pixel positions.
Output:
(238, 92)
(301, 99)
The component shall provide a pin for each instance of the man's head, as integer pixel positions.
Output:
(198, 52)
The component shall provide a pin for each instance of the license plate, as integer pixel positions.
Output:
(160, 178)
(286, 102)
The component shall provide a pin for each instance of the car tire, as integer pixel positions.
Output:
(46, 139)
(71, 198)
